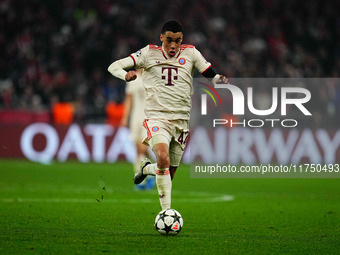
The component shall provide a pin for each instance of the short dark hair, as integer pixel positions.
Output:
(172, 26)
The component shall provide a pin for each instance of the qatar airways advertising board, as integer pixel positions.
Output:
(248, 121)
(43, 142)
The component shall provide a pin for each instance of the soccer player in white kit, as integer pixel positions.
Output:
(133, 118)
(167, 79)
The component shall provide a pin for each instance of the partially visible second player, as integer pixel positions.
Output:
(133, 118)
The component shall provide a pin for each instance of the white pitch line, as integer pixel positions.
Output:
(222, 198)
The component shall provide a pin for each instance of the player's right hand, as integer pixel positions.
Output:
(130, 76)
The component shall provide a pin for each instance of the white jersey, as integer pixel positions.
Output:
(136, 90)
(168, 80)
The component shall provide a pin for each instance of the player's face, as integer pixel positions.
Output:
(171, 42)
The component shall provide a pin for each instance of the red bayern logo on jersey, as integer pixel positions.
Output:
(182, 61)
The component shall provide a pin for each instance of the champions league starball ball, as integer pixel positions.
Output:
(169, 222)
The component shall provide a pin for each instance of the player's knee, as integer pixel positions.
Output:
(163, 160)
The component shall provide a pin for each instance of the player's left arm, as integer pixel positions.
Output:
(214, 77)
(205, 68)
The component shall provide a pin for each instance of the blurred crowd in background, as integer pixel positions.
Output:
(59, 50)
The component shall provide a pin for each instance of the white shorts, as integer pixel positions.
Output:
(137, 131)
(172, 132)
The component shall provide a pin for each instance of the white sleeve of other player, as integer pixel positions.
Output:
(200, 63)
(129, 88)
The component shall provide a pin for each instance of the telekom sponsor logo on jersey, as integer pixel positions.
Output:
(238, 108)
(169, 74)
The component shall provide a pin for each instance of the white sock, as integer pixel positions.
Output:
(164, 185)
(136, 165)
(150, 169)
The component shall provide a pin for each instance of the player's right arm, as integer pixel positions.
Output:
(135, 60)
(118, 67)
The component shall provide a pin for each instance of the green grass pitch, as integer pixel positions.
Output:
(75, 208)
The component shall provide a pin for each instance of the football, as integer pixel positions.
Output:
(169, 222)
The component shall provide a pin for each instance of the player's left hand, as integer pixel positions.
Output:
(222, 80)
